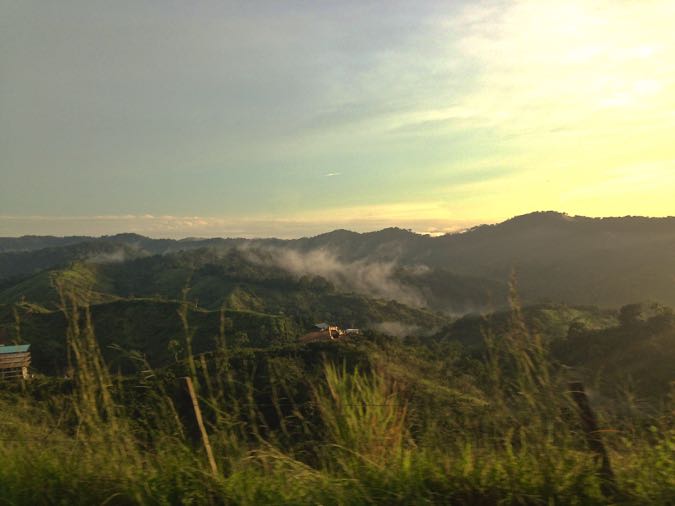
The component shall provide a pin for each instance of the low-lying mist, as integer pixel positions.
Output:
(375, 279)
(111, 257)
(415, 285)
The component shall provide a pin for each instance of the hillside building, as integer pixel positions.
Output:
(326, 332)
(14, 361)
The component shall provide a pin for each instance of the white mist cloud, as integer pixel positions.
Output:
(113, 257)
(374, 279)
(371, 278)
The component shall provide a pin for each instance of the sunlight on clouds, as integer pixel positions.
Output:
(548, 62)
(562, 94)
(577, 88)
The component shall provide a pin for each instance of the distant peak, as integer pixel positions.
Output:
(126, 236)
(340, 232)
(537, 217)
(394, 232)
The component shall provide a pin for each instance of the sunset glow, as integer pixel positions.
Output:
(220, 119)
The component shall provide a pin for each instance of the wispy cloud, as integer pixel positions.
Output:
(376, 279)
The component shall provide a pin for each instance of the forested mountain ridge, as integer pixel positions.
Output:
(556, 258)
(129, 319)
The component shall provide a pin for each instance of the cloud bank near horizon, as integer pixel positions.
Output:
(179, 227)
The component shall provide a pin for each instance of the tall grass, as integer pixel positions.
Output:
(349, 436)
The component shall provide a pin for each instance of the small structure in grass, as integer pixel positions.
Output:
(14, 361)
(327, 332)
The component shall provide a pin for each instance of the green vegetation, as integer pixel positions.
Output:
(608, 262)
(421, 408)
(636, 356)
(377, 420)
(217, 280)
(149, 327)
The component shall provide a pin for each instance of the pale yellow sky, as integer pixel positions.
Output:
(269, 120)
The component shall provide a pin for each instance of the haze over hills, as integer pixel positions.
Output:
(392, 280)
(572, 274)
(555, 258)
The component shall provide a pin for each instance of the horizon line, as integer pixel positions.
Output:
(175, 223)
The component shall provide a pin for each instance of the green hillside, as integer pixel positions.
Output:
(444, 398)
(607, 262)
(134, 306)
(373, 420)
(150, 327)
(552, 322)
(213, 280)
(634, 357)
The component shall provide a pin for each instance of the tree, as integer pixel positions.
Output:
(576, 329)
(630, 315)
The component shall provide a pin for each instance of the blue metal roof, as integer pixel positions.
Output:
(21, 348)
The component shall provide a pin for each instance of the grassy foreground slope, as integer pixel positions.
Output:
(368, 421)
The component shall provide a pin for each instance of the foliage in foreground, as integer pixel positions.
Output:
(375, 425)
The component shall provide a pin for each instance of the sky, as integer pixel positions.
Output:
(266, 118)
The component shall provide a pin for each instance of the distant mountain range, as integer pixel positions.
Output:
(555, 258)
(265, 293)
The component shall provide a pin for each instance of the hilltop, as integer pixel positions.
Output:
(556, 258)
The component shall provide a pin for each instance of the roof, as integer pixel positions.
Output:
(21, 348)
